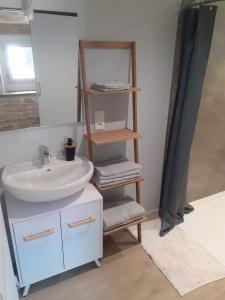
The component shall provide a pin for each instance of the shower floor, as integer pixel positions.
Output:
(207, 224)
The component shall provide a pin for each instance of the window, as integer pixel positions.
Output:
(16, 65)
(20, 62)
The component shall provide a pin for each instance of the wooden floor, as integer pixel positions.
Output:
(127, 272)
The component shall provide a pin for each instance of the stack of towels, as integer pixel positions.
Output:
(111, 86)
(115, 172)
(121, 211)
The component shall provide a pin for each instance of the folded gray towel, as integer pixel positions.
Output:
(116, 168)
(101, 89)
(121, 211)
(111, 85)
(126, 175)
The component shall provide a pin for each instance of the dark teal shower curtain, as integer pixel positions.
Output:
(197, 32)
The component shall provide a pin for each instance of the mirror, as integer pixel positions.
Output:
(38, 69)
(18, 95)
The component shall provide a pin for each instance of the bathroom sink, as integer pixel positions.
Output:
(34, 182)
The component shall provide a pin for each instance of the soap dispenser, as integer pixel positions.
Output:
(70, 149)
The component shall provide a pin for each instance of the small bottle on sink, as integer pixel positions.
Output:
(70, 149)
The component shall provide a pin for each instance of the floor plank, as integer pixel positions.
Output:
(127, 272)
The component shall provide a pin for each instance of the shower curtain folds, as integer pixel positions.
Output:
(197, 32)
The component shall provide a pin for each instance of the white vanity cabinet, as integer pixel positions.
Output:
(50, 238)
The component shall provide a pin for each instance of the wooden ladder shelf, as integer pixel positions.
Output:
(125, 134)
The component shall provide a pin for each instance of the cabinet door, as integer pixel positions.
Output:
(81, 233)
(39, 247)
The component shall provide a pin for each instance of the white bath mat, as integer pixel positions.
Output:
(185, 262)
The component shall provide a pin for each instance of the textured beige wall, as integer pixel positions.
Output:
(18, 112)
(207, 164)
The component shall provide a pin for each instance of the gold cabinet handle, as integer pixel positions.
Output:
(82, 222)
(39, 235)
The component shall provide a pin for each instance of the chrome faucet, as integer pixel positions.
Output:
(46, 157)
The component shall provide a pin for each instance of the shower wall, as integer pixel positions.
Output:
(207, 161)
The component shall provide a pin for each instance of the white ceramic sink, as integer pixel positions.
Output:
(33, 182)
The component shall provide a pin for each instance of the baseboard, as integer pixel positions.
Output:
(152, 214)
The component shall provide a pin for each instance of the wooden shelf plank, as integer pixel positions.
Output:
(106, 44)
(113, 136)
(94, 92)
(139, 179)
(124, 226)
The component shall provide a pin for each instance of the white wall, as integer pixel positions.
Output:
(24, 144)
(8, 288)
(152, 23)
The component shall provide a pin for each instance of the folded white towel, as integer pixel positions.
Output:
(116, 168)
(103, 182)
(111, 85)
(117, 177)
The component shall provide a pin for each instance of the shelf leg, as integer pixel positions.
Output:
(139, 235)
(26, 290)
(98, 264)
